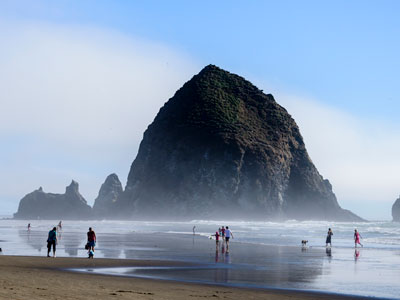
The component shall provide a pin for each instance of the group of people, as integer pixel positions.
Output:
(52, 239)
(357, 237)
(225, 234)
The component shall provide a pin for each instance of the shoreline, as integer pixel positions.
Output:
(33, 277)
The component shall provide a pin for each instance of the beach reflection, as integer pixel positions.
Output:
(36, 239)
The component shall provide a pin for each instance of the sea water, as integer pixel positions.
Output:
(261, 254)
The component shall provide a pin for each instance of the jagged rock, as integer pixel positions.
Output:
(110, 191)
(41, 205)
(222, 149)
(396, 210)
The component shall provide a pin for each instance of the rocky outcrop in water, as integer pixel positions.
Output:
(222, 149)
(41, 205)
(104, 205)
(396, 210)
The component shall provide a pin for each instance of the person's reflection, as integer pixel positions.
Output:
(329, 253)
(356, 254)
(227, 258)
(216, 255)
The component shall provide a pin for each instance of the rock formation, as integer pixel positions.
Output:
(220, 148)
(41, 205)
(396, 210)
(110, 191)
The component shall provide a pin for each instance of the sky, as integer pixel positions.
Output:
(80, 81)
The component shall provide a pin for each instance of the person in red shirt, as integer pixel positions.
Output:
(223, 233)
(91, 239)
(216, 239)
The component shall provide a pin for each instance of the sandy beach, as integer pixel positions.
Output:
(42, 277)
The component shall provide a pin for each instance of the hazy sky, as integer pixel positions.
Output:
(81, 80)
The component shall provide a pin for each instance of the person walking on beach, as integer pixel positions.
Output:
(216, 239)
(59, 226)
(91, 239)
(194, 230)
(329, 238)
(357, 237)
(52, 241)
(29, 226)
(223, 233)
(228, 235)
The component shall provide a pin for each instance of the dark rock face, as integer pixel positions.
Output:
(221, 148)
(41, 205)
(396, 210)
(110, 191)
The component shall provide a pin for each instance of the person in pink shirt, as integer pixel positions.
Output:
(357, 237)
(216, 239)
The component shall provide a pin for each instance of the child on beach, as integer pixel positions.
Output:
(223, 233)
(216, 239)
(90, 253)
(357, 237)
(329, 237)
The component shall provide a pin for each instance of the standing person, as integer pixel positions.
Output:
(194, 232)
(223, 233)
(228, 235)
(52, 241)
(91, 239)
(216, 239)
(29, 226)
(357, 237)
(59, 226)
(329, 238)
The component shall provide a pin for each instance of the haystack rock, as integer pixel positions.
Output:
(110, 191)
(41, 205)
(396, 210)
(222, 149)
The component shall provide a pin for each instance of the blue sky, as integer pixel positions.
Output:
(322, 61)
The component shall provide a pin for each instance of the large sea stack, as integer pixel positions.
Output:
(396, 210)
(220, 148)
(41, 205)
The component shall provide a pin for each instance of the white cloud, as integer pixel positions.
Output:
(359, 156)
(75, 102)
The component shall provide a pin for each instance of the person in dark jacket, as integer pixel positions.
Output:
(52, 241)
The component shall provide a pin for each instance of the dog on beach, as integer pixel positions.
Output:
(304, 243)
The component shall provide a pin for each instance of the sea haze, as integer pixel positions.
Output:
(262, 254)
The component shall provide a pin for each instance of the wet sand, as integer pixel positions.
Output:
(33, 278)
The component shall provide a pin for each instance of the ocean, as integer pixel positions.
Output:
(261, 254)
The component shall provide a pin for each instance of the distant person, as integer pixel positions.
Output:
(228, 235)
(223, 233)
(59, 226)
(329, 238)
(91, 239)
(52, 241)
(29, 226)
(194, 232)
(357, 237)
(216, 239)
